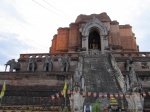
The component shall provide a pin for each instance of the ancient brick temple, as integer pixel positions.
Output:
(98, 28)
(97, 58)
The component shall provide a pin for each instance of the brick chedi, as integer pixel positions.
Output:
(69, 39)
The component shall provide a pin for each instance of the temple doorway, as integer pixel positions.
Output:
(94, 40)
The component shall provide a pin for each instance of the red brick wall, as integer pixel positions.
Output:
(127, 38)
(114, 34)
(62, 39)
(53, 47)
(134, 43)
(73, 36)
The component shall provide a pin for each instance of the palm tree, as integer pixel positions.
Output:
(96, 107)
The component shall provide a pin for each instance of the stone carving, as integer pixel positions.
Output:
(78, 79)
(31, 64)
(65, 63)
(117, 72)
(48, 64)
(135, 85)
(126, 83)
(78, 102)
(13, 65)
(101, 28)
(113, 62)
(128, 64)
(77, 84)
(132, 82)
(144, 65)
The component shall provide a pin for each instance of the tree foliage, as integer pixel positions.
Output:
(60, 109)
(96, 107)
(65, 109)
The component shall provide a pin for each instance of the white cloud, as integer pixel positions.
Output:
(2, 68)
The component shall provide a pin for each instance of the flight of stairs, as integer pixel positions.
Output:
(99, 76)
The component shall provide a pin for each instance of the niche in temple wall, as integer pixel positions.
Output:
(94, 40)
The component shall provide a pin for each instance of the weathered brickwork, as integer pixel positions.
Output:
(62, 39)
(127, 38)
(56, 65)
(114, 35)
(73, 36)
(39, 60)
(53, 48)
(69, 39)
(35, 78)
(83, 18)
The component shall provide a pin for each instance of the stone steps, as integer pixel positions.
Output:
(99, 76)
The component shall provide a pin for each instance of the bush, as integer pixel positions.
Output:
(65, 109)
(97, 107)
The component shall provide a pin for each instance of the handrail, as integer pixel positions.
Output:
(44, 55)
(131, 54)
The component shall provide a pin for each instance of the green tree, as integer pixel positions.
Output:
(60, 109)
(65, 109)
(97, 107)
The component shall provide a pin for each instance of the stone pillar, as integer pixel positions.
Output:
(85, 42)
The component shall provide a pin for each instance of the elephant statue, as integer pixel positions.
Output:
(32, 66)
(13, 65)
(128, 64)
(65, 63)
(48, 64)
(135, 84)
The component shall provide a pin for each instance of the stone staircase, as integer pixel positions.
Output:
(98, 76)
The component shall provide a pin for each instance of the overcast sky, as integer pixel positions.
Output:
(27, 26)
